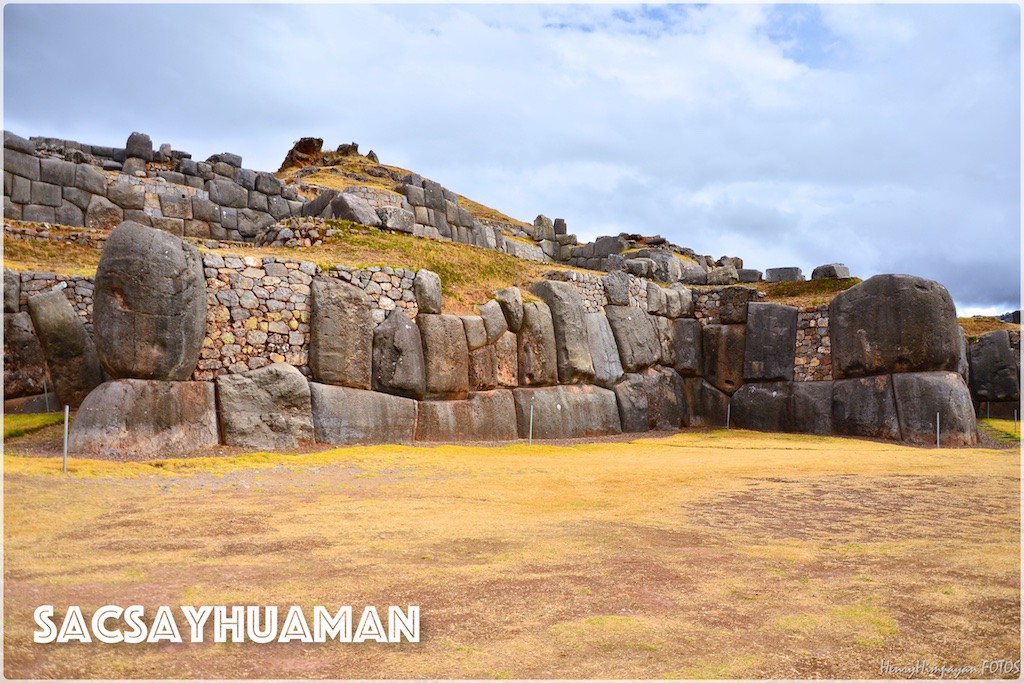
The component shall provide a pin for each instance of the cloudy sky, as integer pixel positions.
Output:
(886, 137)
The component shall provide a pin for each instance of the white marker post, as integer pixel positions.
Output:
(937, 430)
(67, 414)
(531, 420)
(1015, 422)
(728, 415)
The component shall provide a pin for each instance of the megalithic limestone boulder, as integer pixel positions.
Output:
(631, 397)
(341, 334)
(893, 323)
(12, 291)
(70, 354)
(667, 407)
(445, 355)
(724, 347)
(603, 351)
(689, 350)
(812, 407)
(484, 416)
(921, 396)
(146, 419)
(567, 412)
(427, 288)
(506, 352)
(24, 366)
(342, 415)
(150, 304)
(572, 350)
(993, 371)
(771, 342)
(538, 359)
(398, 365)
(636, 337)
(865, 406)
(511, 301)
(483, 368)
(267, 408)
(495, 323)
(764, 406)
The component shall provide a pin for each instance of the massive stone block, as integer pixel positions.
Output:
(636, 337)
(24, 367)
(865, 406)
(616, 288)
(771, 342)
(923, 395)
(476, 333)
(506, 352)
(350, 207)
(732, 304)
(427, 288)
(812, 407)
(714, 404)
(631, 397)
(102, 214)
(667, 407)
(484, 416)
(146, 419)
(724, 349)
(398, 365)
(341, 334)
(994, 370)
(786, 274)
(830, 270)
(495, 323)
(511, 301)
(667, 340)
(893, 323)
(149, 305)
(689, 350)
(267, 408)
(445, 355)
(12, 291)
(342, 415)
(538, 358)
(603, 350)
(572, 349)
(69, 351)
(764, 406)
(567, 412)
(483, 369)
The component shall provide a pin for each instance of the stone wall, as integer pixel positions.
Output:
(591, 289)
(813, 345)
(77, 288)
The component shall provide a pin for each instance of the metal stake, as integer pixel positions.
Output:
(46, 394)
(64, 464)
(937, 430)
(728, 415)
(531, 420)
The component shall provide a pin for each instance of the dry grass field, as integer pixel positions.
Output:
(697, 555)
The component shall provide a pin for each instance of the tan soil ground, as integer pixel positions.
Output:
(700, 554)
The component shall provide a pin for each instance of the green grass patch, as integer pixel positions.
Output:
(1007, 430)
(19, 425)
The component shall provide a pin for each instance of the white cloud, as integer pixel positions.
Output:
(883, 136)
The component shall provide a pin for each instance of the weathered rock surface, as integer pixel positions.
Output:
(267, 408)
(865, 406)
(506, 353)
(812, 407)
(723, 275)
(830, 270)
(445, 355)
(689, 349)
(667, 340)
(495, 323)
(732, 304)
(483, 369)
(150, 304)
(476, 333)
(24, 367)
(146, 419)
(350, 207)
(635, 336)
(893, 323)
(68, 349)
(342, 415)
(724, 349)
(538, 357)
(714, 405)
(603, 350)
(341, 334)
(667, 407)
(484, 416)
(771, 342)
(427, 288)
(102, 214)
(923, 395)
(511, 301)
(788, 274)
(631, 396)
(572, 349)
(764, 406)
(993, 371)
(398, 365)
(12, 291)
(616, 288)
(567, 412)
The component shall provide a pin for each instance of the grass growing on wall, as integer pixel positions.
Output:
(975, 327)
(807, 292)
(50, 257)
